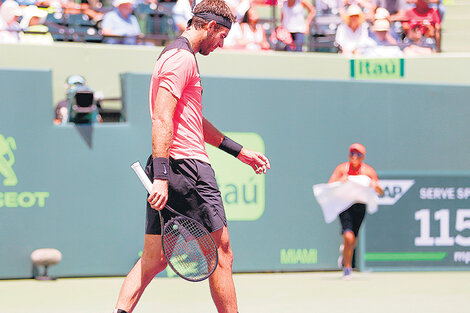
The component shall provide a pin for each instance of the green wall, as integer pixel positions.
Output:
(75, 190)
(91, 203)
(102, 64)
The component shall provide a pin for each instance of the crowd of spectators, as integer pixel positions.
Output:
(354, 27)
(410, 27)
(120, 25)
(30, 29)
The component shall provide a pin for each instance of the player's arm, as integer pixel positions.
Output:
(437, 34)
(374, 180)
(258, 161)
(338, 174)
(311, 14)
(106, 26)
(162, 136)
(211, 134)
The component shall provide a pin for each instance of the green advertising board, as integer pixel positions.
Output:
(243, 191)
(423, 223)
(377, 68)
(17, 198)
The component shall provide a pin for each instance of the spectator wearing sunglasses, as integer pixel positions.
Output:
(351, 219)
(415, 43)
(426, 17)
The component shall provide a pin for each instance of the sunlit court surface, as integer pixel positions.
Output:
(427, 292)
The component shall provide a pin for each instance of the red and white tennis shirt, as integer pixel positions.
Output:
(176, 70)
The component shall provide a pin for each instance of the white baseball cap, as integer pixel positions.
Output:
(10, 8)
(381, 25)
(381, 13)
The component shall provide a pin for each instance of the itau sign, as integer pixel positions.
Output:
(377, 68)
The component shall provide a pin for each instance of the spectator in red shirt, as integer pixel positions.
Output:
(414, 42)
(426, 17)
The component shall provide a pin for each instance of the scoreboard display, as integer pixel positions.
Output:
(423, 223)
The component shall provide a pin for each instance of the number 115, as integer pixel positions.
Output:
(462, 222)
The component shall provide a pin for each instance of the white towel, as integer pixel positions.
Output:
(336, 197)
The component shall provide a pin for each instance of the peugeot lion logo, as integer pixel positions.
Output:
(7, 159)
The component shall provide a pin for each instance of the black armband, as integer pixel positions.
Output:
(161, 168)
(230, 146)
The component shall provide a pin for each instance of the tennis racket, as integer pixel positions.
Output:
(189, 248)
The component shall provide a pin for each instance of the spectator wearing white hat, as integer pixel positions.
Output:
(9, 27)
(379, 33)
(382, 14)
(396, 8)
(367, 7)
(382, 44)
(382, 20)
(120, 26)
(32, 24)
(353, 33)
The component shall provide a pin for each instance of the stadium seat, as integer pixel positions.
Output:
(55, 17)
(85, 33)
(78, 19)
(323, 32)
(163, 20)
(145, 8)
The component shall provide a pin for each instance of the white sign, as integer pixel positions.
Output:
(394, 189)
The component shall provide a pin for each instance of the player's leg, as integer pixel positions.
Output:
(221, 281)
(150, 264)
(349, 240)
(358, 211)
(298, 41)
(208, 202)
(351, 221)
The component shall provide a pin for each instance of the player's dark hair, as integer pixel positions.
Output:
(245, 16)
(217, 7)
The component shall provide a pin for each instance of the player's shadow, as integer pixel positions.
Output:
(86, 132)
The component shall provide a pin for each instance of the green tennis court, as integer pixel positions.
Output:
(320, 292)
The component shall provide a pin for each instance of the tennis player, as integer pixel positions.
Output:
(179, 165)
(351, 219)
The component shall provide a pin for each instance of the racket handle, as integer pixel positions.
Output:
(142, 176)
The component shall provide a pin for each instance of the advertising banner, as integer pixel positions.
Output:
(379, 68)
(423, 223)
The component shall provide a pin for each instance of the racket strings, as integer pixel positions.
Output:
(189, 248)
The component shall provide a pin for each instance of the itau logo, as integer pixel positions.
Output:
(7, 159)
(243, 191)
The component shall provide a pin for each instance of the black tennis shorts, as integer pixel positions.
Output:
(352, 218)
(192, 191)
